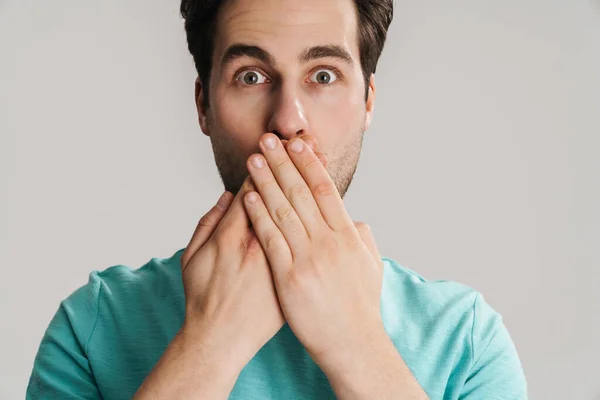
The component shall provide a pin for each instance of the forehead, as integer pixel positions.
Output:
(287, 27)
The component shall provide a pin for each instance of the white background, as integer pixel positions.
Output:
(481, 165)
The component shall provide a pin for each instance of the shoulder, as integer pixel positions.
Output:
(432, 298)
(458, 330)
(120, 287)
(435, 301)
(155, 276)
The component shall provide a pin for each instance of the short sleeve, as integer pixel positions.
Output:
(61, 368)
(496, 371)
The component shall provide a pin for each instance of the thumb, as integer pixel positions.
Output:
(206, 227)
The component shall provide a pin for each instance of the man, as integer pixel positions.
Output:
(279, 294)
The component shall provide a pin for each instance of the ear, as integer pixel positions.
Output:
(370, 106)
(200, 106)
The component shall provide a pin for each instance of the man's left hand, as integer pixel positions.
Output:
(327, 271)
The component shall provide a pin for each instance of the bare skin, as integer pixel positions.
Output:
(231, 306)
(228, 290)
(287, 97)
(253, 266)
(327, 271)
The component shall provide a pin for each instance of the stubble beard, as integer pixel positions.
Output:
(231, 164)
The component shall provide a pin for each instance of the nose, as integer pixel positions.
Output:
(288, 118)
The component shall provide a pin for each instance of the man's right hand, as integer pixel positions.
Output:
(232, 308)
(231, 303)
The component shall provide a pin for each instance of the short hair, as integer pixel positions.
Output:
(373, 20)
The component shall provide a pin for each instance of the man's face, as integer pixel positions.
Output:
(289, 67)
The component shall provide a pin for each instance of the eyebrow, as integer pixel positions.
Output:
(327, 51)
(239, 50)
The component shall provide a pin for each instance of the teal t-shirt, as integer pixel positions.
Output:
(107, 336)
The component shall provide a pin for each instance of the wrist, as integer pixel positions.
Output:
(355, 360)
(372, 368)
(191, 367)
(215, 355)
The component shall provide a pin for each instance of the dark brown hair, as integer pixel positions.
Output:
(374, 18)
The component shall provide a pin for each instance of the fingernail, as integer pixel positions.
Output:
(269, 143)
(297, 145)
(251, 197)
(223, 200)
(258, 162)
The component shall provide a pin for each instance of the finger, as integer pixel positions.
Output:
(270, 237)
(323, 158)
(322, 187)
(283, 213)
(293, 186)
(206, 227)
(310, 140)
(366, 234)
(235, 219)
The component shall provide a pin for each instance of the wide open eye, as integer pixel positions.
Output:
(251, 77)
(324, 76)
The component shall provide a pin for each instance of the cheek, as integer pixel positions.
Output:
(336, 119)
(239, 119)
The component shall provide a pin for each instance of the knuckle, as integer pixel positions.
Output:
(273, 245)
(206, 221)
(279, 164)
(361, 226)
(324, 189)
(350, 233)
(284, 214)
(299, 192)
(308, 162)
